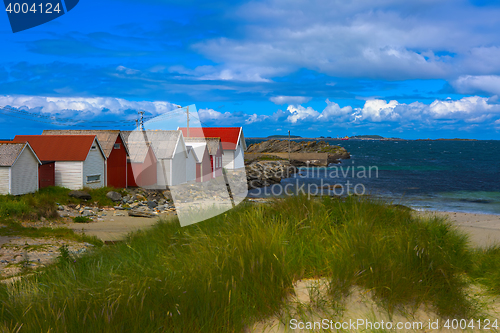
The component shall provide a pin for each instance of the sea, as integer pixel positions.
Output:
(458, 176)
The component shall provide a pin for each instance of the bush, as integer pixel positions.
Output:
(82, 219)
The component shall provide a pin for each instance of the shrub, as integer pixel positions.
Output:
(82, 219)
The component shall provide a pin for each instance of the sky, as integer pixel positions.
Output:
(408, 69)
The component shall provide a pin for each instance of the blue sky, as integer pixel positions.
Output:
(410, 69)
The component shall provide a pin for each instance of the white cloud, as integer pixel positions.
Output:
(230, 119)
(378, 110)
(334, 112)
(84, 106)
(280, 100)
(469, 84)
(439, 114)
(254, 118)
(126, 70)
(377, 39)
(211, 114)
(301, 113)
(235, 73)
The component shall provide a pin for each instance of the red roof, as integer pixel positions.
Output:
(228, 135)
(59, 147)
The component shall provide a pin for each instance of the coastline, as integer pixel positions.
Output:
(483, 229)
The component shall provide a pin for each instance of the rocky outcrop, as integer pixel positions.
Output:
(265, 173)
(335, 153)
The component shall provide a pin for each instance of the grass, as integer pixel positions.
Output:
(225, 273)
(44, 202)
(486, 268)
(270, 158)
(82, 219)
(16, 229)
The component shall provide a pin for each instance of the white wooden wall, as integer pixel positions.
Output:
(191, 166)
(93, 165)
(4, 180)
(162, 172)
(24, 174)
(69, 174)
(178, 167)
(228, 159)
(239, 159)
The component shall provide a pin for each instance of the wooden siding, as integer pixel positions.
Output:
(69, 174)
(191, 167)
(46, 175)
(24, 174)
(4, 180)
(163, 167)
(93, 165)
(178, 172)
(228, 159)
(239, 160)
(116, 166)
(143, 174)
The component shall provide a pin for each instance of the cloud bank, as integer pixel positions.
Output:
(84, 106)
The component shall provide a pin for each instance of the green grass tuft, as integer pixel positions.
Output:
(82, 219)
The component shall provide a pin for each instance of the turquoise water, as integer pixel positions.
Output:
(462, 176)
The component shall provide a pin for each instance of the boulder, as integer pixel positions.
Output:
(115, 196)
(152, 204)
(141, 213)
(82, 195)
(88, 213)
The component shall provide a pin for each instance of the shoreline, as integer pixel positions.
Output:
(483, 229)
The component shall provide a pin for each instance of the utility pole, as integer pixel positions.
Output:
(142, 119)
(288, 145)
(187, 108)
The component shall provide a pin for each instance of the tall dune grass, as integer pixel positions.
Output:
(225, 273)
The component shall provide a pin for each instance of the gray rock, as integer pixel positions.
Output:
(141, 213)
(152, 204)
(60, 207)
(115, 196)
(80, 195)
(88, 213)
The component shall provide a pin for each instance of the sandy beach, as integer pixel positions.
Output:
(483, 229)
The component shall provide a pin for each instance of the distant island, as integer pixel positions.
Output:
(455, 139)
(374, 137)
(354, 137)
(284, 136)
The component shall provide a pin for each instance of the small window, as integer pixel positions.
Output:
(93, 179)
(116, 146)
(94, 147)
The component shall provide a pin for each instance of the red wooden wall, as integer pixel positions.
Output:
(46, 175)
(142, 174)
(117, 166)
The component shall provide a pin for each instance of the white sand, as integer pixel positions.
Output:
(483, 229)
